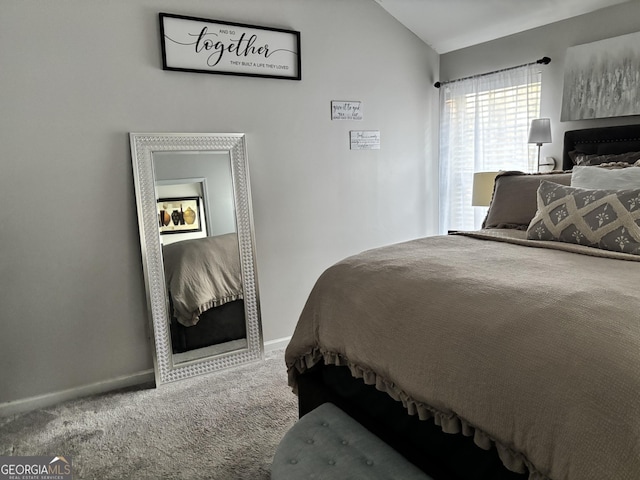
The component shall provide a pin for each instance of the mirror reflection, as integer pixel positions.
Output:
(197, 225)
(196, 236)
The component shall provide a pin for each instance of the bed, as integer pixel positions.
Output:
(512, 352)
(204, 286)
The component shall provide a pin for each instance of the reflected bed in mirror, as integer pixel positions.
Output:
(196, 234)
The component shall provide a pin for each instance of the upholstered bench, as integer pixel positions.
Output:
(327, 444)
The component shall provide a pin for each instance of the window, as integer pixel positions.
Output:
(484, 126)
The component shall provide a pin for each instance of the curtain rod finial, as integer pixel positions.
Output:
(544, 60)
(437, 84)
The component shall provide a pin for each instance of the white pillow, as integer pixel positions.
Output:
(605, 179)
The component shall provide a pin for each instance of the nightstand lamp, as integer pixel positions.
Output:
(540, 133)
(483, 188)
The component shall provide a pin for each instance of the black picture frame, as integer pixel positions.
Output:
(171, 220)
(201, 45)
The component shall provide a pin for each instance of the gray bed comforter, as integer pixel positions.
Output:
(531, 346)
(201, 274)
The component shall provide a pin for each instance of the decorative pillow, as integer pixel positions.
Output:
(579, 158)
(605, 219)
(605, 178)
(574, 154)
(514, 198)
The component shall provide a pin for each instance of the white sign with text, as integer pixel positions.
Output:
(346, 110)
(365, 139)
(191, 44)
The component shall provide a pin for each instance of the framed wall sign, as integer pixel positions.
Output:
(365, 139)
(191, 44)
(346, 110)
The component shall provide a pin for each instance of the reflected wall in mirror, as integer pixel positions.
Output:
(196, 235)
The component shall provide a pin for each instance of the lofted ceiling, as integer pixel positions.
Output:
(447, 25)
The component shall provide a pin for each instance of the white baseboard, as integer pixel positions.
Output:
(50, 399)
(276, 344)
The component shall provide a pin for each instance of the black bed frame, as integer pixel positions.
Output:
(602, 140)
(442, 456)
(217, 325)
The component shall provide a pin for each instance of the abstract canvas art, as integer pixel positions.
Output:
(601, 79)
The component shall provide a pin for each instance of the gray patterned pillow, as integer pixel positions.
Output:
(605, 219)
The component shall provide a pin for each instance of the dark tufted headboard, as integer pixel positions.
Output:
(602, 140)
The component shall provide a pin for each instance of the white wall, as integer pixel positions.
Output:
(552, 41)
(77, 76)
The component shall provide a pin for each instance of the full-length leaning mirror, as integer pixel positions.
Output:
(196, 236)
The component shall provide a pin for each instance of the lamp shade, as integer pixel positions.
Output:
(540, 131)
(483, 188)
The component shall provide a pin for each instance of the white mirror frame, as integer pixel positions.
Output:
(143, 146)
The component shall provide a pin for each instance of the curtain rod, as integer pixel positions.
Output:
(543, 60)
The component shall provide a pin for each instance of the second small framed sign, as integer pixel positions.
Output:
(191, 44)
(365, 139)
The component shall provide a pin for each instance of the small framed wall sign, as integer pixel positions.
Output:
(365, 139)
(346, 110)
(191, 44)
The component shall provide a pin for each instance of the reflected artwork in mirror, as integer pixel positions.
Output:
(196, 235)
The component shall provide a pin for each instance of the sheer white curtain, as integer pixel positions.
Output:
(484, 126)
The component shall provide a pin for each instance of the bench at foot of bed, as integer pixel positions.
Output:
(328, 444)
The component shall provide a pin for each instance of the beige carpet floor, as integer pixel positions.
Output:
(224, 425)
